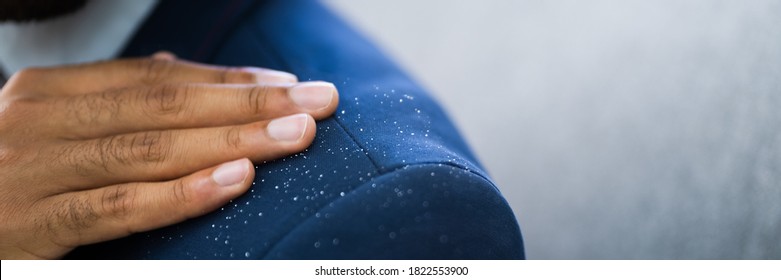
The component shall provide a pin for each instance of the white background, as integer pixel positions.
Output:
(616, 129)
(240, 269)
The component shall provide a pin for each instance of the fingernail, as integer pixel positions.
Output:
(231, 173)
(290, 128)
(272, 76)
(164, 55)
(313, 95)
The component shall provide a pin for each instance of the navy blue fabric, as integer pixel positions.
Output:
(387, 177)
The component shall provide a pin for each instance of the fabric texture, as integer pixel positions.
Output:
(387, 177)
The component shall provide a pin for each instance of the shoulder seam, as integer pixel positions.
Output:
(376, 166)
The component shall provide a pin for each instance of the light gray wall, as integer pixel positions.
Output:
(616, 129)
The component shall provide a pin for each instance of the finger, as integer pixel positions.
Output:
(100, 76)
(96, 215)
(162, 155)
(183, 106)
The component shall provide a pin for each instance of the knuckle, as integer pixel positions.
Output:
(179, 193)
(151, 146)
(73, 213)
(256, 100)
(81, 110)
(223, 75)
(65, 220)
(110, 102)
(92, 109)
(232, 137)
(236, 75)
(166, 99)
(108, 150)
(118, 150)
(154, 70)
(118, 201)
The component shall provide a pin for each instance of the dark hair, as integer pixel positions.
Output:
(32, 10)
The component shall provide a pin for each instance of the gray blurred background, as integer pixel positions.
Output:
(616, 129)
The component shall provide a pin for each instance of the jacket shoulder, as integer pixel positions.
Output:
(423, 211)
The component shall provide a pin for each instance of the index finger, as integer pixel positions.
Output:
(104, 75)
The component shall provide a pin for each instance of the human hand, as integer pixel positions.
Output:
(95, 152)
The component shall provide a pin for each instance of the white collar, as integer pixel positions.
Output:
(98, 31)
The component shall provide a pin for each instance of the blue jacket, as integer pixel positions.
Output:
(387, 177)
